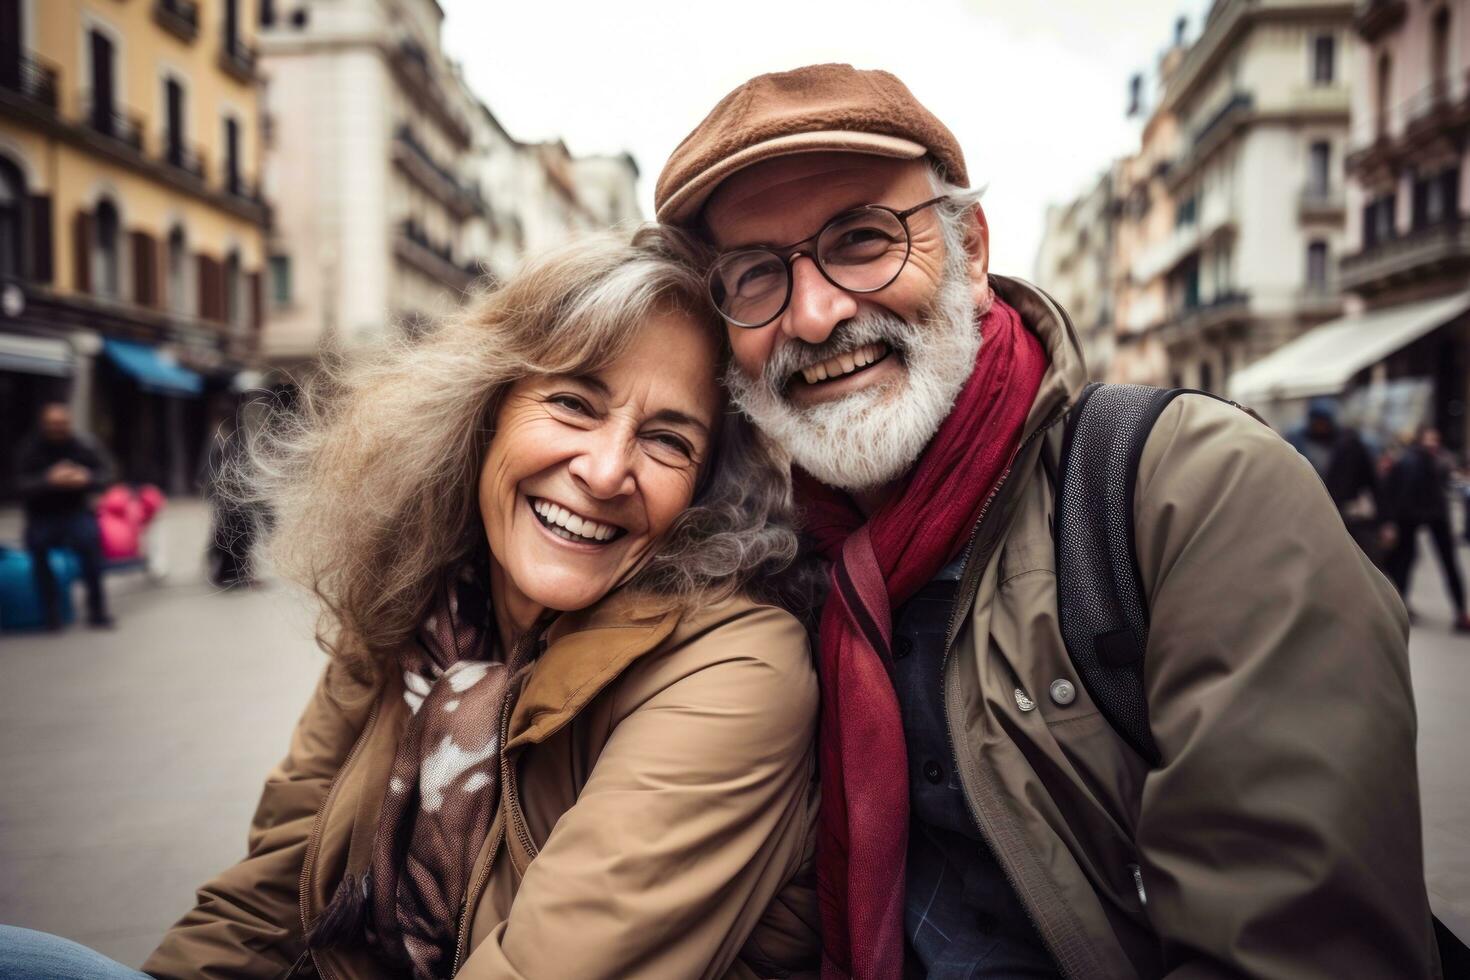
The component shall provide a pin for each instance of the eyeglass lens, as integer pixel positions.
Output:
(861, 251)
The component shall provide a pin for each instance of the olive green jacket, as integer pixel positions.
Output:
(1280, 835)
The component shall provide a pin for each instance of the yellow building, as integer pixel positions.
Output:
(132, 228)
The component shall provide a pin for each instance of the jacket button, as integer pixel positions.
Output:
(1063, 692)
(1023, 702)
(902, 647)
(932, 772)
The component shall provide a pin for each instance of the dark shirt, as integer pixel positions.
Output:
(961, 918)
(38, 455)
(1417, 488)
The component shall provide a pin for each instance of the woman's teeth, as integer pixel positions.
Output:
(841, 364)
(573, 527)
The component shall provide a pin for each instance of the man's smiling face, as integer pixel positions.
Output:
(853, 385)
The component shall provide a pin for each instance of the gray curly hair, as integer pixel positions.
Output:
(370, 478)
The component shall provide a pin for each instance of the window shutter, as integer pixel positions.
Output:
(257, 302)
(41, 259)
(145, 276)
(82, 251)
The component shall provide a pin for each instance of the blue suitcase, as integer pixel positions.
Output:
(20, 605)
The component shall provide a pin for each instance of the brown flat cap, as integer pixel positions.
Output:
(819, 107)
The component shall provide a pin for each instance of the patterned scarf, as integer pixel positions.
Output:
(442, 793)
(878, 563)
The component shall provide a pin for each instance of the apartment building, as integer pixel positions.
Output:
(1260, 101)
(1074, 264)
(132, 227)
(1402, 356)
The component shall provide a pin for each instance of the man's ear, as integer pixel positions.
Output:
(977, 251)
(977, 242)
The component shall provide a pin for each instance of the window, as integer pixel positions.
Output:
(1317, 267)
(12, 214)
(178, 271)
(1439, 51)
(232, 25)
(1436, 198)
(280, 280)
(1186, 213)
(102, 112)
(1319, 168)
(232, 155)
(267, 13)
(1385, 78)
(234, 291)
(1378, 220)
(1324, 59)
(173, 101)
(107, 252)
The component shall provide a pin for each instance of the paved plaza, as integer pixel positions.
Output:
(130, 761)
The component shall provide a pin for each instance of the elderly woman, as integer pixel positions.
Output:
(560, 734)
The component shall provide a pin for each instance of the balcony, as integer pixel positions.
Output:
(107, 120)
(189, 160)
(416, 74)
(1375, 18)
(413, 246)
(237, 186)
(31, 82)
(1321, 204)
(1204, 316)
(179, 17)
(1425, 254)
(237, 59)
(1221, 125)
(463, 199)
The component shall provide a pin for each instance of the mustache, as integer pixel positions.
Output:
(795, 355)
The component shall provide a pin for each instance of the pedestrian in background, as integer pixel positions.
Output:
(1340, 457)
(57, 470)
(233, 522)
(1416, 493)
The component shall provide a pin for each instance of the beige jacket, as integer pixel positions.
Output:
(658, 822)
(1280, 836)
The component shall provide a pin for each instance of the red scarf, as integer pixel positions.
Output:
(877, 565)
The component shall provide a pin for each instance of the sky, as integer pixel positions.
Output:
(1034, 91)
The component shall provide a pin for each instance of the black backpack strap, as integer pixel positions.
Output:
(1101, 607)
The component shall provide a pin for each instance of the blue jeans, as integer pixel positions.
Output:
(29, 955)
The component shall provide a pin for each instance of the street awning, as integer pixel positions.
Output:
(152, 372)
(35, 355)
(1323, 360)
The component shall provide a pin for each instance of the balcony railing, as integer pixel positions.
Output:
(1240, 102)
(33, 80)
(1320, 202)
(434, 259)
(108, 120)
(188, 159)
(1441, 249)
(236, 185)
(462, 197)
(1376, 18)
(237, 58)
(178, 17)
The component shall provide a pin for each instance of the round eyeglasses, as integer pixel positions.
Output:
(860, 251)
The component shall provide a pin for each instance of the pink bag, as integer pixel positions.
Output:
(122, 515)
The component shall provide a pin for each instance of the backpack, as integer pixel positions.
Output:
(1101, 608)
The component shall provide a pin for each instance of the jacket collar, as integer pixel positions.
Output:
(1066, 374)
(585, 651)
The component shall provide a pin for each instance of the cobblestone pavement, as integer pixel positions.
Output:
(131, 760)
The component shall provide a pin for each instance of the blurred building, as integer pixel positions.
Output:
(1403, 355)
(1261, 103)
(369, 126)
(1074, 264)
(131, 221)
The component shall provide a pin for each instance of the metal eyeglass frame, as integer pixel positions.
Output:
(787, 255)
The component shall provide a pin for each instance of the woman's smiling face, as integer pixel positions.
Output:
(584, 475)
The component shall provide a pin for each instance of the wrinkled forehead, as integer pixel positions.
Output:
(788, 198)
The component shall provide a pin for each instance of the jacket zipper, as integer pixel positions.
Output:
(949, 638)
(507, 788)
(314, 840)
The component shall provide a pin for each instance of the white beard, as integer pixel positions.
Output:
(871, 437)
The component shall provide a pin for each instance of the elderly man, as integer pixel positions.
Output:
(980, 815)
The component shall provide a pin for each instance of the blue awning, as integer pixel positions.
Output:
(154, 374)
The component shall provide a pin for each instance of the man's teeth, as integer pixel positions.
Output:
(575, 525)
(840, 364)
